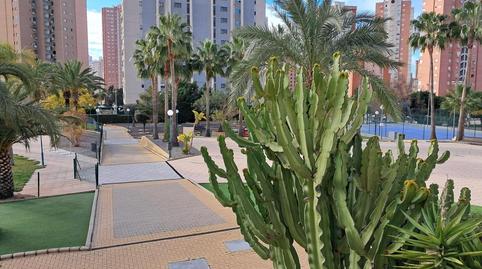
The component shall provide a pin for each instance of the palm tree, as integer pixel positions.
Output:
(177, 39)
(431, 32)
(473, 100)
(147, 61)
(466, 29)
(211, 60)
(236, 50)
(311, 32)
(71, 78)
(21, 118)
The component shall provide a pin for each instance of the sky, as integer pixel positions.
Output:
(94, 18)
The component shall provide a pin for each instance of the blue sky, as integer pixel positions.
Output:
(94, 16)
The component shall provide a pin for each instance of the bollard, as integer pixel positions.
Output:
(38, 184)
(96, 174)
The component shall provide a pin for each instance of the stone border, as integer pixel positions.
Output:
(87, 247)
(93, 213)
(153, 147)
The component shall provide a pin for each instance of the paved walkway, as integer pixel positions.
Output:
(121, 148)
(464, 165)
(57, 177)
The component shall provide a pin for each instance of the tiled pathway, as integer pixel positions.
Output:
(57, 177)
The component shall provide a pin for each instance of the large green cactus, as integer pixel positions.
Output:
(313, 182)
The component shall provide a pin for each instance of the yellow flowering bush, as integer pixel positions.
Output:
(185, 139)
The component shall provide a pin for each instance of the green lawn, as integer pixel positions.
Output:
(22, 171)
(60, 221)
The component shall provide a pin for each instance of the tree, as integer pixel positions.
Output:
(311, 31)
(431, 33)
(473, 100)
(148, 64)
(211, 60)
(466, 29)
(21, 118)
(236, 52)
(177, 38)
(71, 78)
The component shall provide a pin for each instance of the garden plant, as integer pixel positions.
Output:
(317, 188)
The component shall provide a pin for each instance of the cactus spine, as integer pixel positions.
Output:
(313, 183)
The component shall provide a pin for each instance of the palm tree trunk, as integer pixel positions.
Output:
(155, 108)
(461, 124)
(166, 102)
(173, 136)
(6, 174)
(433, 134)
(66, 95)
(207, 95)
(240, 123)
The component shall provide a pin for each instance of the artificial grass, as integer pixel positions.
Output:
(51, 222)
(22, 171)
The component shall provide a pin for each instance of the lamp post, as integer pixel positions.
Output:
(382, 117)
(375, 117)
(128, 115)
(42, 151)
(170, 113)
(97, 111)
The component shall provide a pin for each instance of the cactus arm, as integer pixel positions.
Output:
(300, 103)
(236, 138)
(258, 247)
(257, 225)
(218, 193)
(290, 152)
(289, 210)
(380, 203)
(361, 109)
(445, 156)
(313, 229)
(339, 195)
(211, 164)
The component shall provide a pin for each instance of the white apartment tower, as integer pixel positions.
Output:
(209, 19)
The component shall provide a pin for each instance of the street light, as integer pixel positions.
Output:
(97, 111)
(170, 113)
(128, 116)
(376, 115)
(381, 122)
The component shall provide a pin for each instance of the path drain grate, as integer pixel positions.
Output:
(237, 245)
(192, 264)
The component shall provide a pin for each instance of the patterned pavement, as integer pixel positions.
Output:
(122, 173)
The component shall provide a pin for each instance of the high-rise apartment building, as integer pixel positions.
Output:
(449, 63)
(398, 27)
(111, 45)
(208, 19)
(56, 30)
(97, 66)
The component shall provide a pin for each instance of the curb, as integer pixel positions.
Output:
(87, 247)
(93, 213)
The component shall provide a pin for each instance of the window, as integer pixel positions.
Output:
(177, 5)
(224, 9)
(224, 20)
(224, 31)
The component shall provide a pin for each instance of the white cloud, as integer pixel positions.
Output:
(273, 19)
(94, 24)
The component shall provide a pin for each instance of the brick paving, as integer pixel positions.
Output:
(153, 255)
(158, 209)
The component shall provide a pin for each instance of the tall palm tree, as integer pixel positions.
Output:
(211, 60)
(311, 31)
(148, 66)
(21, 118)
(466, 29)
(177, 39)
(236, 50)
(431, 33)
(71, 78)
